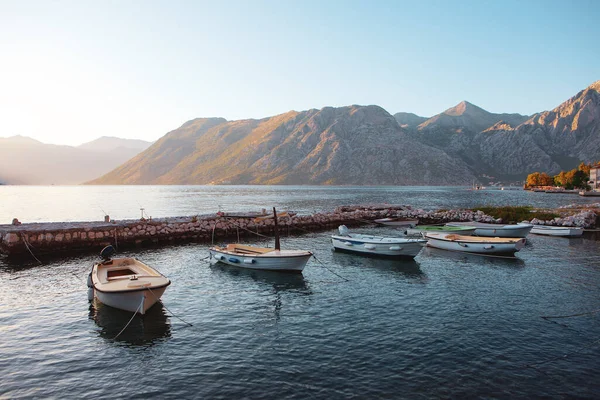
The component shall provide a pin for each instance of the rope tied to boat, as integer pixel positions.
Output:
(328, 269)
(231, 221)
(572, 315)
(132, 317)
(28, 247)
(163, 304)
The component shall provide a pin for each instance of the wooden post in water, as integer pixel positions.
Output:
(277, 245)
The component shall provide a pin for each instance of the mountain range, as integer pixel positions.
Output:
(353, 145)
(30, 162)
(365, 145)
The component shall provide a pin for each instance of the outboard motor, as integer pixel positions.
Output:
(90, 287)
(344, 230)
(107, 253)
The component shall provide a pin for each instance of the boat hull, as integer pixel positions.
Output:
(275, 261)
(131, 301)
(397, 222)
(563, 231)
(422, 231)
(591, 193)
(471, 245)
(497, 230)
(399, 248)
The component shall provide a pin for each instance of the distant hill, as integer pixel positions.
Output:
(359, 145)
(30, 162)
(111, 143)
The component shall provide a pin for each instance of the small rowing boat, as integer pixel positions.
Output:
(126, 283)
(263, 258)
(397, 222)
(497, 230)
(565, 231)
(474, 244)
(376, 245)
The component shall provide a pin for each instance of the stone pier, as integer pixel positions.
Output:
(69, 237)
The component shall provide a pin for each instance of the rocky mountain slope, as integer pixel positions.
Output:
(510, 146)
(365, 145)
(361, 145)
(549, 141)
(30, 162)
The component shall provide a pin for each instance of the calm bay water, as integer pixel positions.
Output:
(91, 203)
(441, 325)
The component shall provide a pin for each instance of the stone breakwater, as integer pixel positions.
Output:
(44, 238)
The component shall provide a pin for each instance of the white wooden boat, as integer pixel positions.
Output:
(474, 244)
(497, 230)
(589, 193)
(421, 230)
(264, 258)
(397, 222)
(127, 284)
(567, 231)
(376, 245)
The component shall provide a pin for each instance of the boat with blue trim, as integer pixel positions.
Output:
(376, 245)
(264, 258)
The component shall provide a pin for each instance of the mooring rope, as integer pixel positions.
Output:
(245, 229)
(572, 315)
(163, 304)
(532, 365)
(132, 317)
(328, 269)
(29, 249)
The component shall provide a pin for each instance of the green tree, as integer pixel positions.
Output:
(561, 179)
(580, 179)
(585, 168)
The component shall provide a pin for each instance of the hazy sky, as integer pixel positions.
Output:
(72, 71)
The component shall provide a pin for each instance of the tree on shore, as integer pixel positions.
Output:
(575, 178)
(538, 179)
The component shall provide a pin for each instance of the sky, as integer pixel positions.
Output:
(72, 71)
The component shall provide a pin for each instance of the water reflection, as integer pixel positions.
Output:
(473, 258)
(407, 267)
(280, 281)
(142, 331)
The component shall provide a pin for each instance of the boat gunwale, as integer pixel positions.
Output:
(111, 265)
(264, 255)
(486, 240)
(374, 241)
(146, 288)
(485, 225)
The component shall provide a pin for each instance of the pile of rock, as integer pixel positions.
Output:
(584, 219)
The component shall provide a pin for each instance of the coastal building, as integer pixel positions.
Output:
(594, 177)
